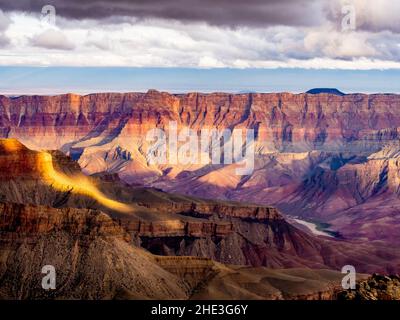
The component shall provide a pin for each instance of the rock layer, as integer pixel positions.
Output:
(171, 224)
(319, 156)
(89, 252)
(94, 260)
(283, 121)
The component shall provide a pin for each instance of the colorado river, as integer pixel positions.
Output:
(313, 228)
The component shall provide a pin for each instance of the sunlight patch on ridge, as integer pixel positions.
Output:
(79, 184)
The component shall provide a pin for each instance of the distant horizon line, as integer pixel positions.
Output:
(15, 81)
(146, 91)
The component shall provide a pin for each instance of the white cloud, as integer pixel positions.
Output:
(340, 45)
(371, 15)
(52, 39)
(158, 42)
(209, 62)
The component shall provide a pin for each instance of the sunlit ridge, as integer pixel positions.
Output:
(79, 184)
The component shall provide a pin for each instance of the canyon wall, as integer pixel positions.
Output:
(282, 121)
(324, 157)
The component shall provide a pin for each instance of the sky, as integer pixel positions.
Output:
(54, 46)
(85, 80)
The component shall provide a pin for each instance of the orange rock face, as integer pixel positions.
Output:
(283, 121)
(18, 161)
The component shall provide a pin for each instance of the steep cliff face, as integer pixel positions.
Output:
(294, 133)
(90, 253)
(93, 259)
(283, 121)
(33, 221)
(358, 196)
(107, 132)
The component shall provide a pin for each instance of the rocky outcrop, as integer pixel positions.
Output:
(93, 259)
(257, 213)
(90, 253)
(376, 287)
(178, 228)
(33, 221)
(208, 208)
(17, 161)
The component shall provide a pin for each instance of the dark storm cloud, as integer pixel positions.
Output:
(371, 16)
(4, 23)
(216, 12)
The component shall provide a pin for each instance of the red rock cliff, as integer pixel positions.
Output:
(281, 120)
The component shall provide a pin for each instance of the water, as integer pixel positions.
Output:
(314, 229)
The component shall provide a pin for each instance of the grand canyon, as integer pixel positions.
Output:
(78, 192)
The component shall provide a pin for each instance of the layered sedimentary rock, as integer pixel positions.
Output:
(164, 224)
(317, 155)
(33, 221)
(94, 256)
(93, 259)
(177, 225)
(90, 253)
(282, 121)
(178, 228)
